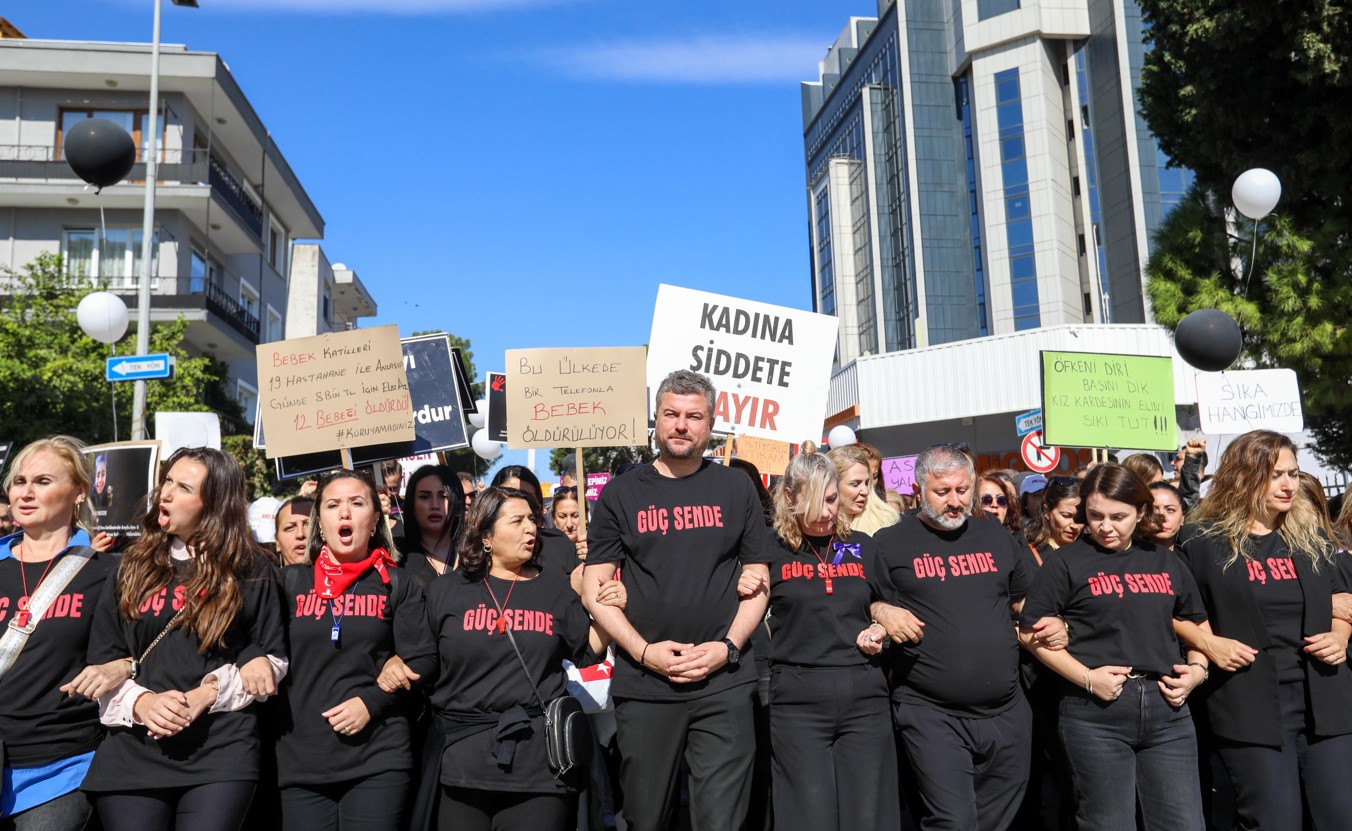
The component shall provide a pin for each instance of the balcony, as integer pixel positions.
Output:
(41, 163)
(218, 324)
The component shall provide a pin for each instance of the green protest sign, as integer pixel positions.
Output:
(1093, 400)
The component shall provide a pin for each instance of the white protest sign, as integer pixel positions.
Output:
(1252, 399)
(771, 365)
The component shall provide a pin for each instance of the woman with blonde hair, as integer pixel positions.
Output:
(50, 580)
(195, 613)
(860, 504)
(833, 755)
(1281, 708)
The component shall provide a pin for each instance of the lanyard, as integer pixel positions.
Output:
(337, 629)
(829, 588)
(502, 607)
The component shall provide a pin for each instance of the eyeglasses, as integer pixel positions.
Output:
(987, 500)
(565, 491)
(1067, 481)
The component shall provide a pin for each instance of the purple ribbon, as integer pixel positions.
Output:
(843, 548)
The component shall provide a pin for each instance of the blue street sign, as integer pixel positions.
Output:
(139, 367)
(1028, 422)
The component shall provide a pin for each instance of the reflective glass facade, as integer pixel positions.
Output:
(1018, 210)
(964, 93)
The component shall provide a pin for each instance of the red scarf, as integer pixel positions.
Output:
(332, 578)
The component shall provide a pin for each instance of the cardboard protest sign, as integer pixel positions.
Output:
(497, 407)
(1096, 400)
(341, 389)
(124, 477)
(1237, 402)
(175, 430)
(771, 365)
(769, 456)
(576, 397)
(898, 473)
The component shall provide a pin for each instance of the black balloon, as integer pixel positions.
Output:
(1209, 339)
(99, 151)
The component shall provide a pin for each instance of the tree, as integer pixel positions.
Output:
(52, 373)
(1290, 314)
(1234, 84)
(600, 459)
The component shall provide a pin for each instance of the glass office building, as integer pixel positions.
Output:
(977, 167)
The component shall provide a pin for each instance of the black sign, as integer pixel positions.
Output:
(463, 390)
(4, 453)
(497, 407)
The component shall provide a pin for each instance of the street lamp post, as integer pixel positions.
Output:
(138, 406)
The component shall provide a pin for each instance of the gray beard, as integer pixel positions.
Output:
(940, 520)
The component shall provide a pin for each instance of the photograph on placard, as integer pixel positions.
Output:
(123, 479)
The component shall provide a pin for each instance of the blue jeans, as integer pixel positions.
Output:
(1134, 748)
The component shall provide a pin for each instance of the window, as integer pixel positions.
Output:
(247, 396)
(248, 297)
(328, 307)
(135, 122)
(114, 258)
(272, 247)
(986, 9)
(274, 330)
(205, 271)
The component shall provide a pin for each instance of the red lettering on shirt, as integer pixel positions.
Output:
(483, 618)
(1151, 583)
(1281, 568)
(654, 520)
(65, 606)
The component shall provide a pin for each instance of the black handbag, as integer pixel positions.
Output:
(568, 735)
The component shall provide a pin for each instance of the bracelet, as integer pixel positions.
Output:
(1089, 681)
(1206, 671)
(644, 654)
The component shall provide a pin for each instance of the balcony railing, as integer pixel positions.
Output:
(196, 292)
(41, 162)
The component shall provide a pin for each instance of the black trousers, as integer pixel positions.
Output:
(1269, 781)
(218, 806)
(834, 756)
(375, 803)
(971, 772)
(68, 812)
(465, 809)
(715, 735)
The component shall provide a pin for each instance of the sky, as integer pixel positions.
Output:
(523, 173)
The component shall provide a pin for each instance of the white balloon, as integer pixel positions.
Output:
(487, 449)
(480, 418)
(840, 436)
(102, 316)
(1256, 192)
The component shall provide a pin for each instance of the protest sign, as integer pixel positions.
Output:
(769, 456)
(176, 430)
(1096, 400)
(124, 477)
(463, 389)
(4, 453)
(1237, 402)
(595, 483)
(898, 473)
(337, 390)
(771, 365)
(496, 422)
(576, 397)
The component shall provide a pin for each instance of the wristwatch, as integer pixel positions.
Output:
(734, 654)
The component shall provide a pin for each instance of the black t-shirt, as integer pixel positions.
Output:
(216, 747)
(681, 544)
(38, 722)
(819, 600)
(960, 584)
(555, 551)
(480, 673)
(374, 621)
(420, 566)
(1276, 589)
(1120, 605)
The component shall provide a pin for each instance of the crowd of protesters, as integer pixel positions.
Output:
(993, 650)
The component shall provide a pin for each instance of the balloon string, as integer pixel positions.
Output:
(112, 350)
(103, 223)
(1253, 256)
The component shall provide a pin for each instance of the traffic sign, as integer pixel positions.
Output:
(1040, 459)
(1027, 422)
(139, 367)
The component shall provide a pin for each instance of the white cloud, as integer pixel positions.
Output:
(718, 59)
(382, 6)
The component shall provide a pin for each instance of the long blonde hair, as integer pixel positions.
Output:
(801, 493)
(1239, 490)
(71, 452)
(877, 514)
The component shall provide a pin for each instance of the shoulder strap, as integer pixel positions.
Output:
(525, 669)
(16, 636)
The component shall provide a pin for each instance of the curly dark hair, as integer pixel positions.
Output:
(483, 515)
(1122, 484)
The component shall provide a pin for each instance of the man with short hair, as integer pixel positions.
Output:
(467, 487)
(681, 528)
(960, 713)
(7, 526)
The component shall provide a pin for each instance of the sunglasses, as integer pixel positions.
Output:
(987, 500)
(1069, 481)
(566, 491)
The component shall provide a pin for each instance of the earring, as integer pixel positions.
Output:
(488, 548)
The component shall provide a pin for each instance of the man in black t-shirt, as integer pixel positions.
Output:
(682, 529)
(959, 711)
